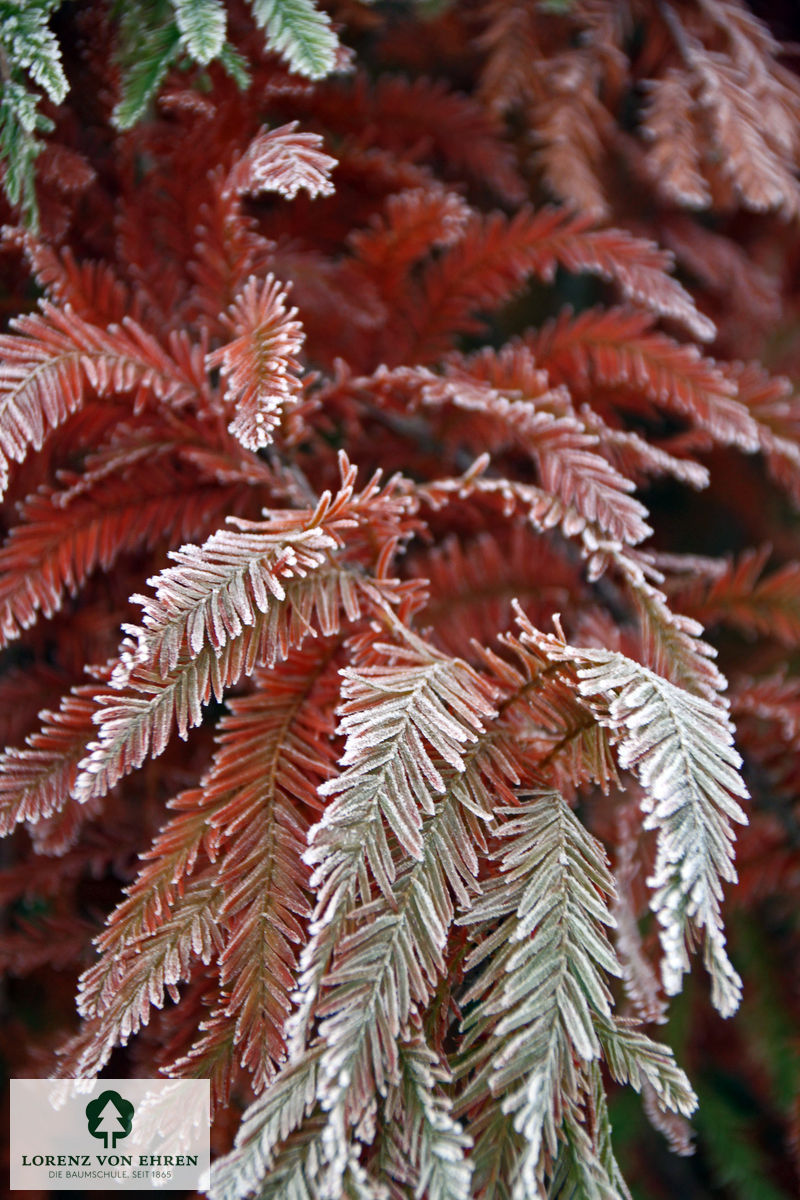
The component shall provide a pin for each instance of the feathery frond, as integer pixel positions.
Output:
(30, 49)
(427, 1146)
(388, 784)
(150, 44)
(301, 33)
(259, 365)
(20, 122)
(586, 1165)
(63, 538)
(54, 360)
(674, 155)
(542, 993)
(240, 601)
(738, 594)
(681, 748)
(569, 467)
(32, 45)
(36, 782)
(373, 888)
(267, 1123)
(150, 970)
(202, 27)
(243, 820)
(283, 160)
(495, 257)
(614, 346)
(274, 748)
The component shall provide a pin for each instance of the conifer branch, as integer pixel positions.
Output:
(53, 361)
(37, 781)
(614, 346)
(62, 537)
(427, 1146)
(542, 1000)
(739, 595)
(260, 366)
(681, 747)
(586, 1165)
(299, 32)
(536, 996)
(495, 257)
(373, 888)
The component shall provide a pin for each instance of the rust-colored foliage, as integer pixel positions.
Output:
(420, 446)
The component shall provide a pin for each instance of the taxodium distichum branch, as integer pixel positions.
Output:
(400, 585)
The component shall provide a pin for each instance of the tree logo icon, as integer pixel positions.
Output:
(110, 1116)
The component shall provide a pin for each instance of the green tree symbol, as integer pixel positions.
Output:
(109, 1116)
